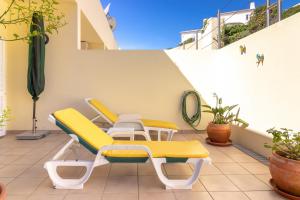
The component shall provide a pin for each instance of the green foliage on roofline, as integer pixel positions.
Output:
(235, 32)
(190, 40)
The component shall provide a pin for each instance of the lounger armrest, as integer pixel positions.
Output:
(129, 117)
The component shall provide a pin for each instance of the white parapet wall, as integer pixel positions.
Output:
(267, 94)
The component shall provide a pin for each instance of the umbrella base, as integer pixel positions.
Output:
(29, 135)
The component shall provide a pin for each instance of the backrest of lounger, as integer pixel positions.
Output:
(86, 130)
(104, 110)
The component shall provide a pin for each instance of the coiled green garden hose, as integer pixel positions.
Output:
(196, 118)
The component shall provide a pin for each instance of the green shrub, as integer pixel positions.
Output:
(232, 33)
(286, 143)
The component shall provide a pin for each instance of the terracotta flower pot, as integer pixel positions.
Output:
(2, 192)
(285, 174)
(218, 133)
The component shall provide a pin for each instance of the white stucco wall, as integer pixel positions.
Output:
(268, 94)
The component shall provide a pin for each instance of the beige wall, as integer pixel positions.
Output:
(145, 82)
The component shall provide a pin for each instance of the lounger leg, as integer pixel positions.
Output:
(61, 183)
(159, 135)
(170, 135)
(95, 118)
(147, 134)
(178, 184)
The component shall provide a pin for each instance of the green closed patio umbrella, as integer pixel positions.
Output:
(36, 75)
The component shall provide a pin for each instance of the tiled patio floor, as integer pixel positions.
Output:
(233, 175)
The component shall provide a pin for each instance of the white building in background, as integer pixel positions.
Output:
(207, 35)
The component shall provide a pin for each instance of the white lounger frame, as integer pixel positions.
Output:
(132, 120)
(61, 183)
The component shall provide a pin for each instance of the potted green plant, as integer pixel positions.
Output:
(285, 161)
(4, 117)
(219, 129)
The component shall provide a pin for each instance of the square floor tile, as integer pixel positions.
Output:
(248, 182)
(122, 196)
(101, 171)
(35, 172)
(208, 169)
(16, 197)
(7, 159)
(256, 168)
(121, 184)
(23, 186)
(264, 195)
(241, 157)
(157, 196)
(46, 197)
(217, 183)
(177, 169)
(192, 196)
(5, 181)
(95, 185)
(197, 186)
(229, 196)
(83, 196)
(146, 169)
(12, 170)
(218, 156)
(265, 178)
(123, 169)
(151, 184)
(46, 188)
(231, 168)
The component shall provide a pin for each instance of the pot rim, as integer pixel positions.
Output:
(284, 158)
(211, 123)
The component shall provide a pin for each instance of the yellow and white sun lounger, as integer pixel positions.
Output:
(107, 150)
(132, 120)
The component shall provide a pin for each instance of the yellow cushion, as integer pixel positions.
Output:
(104, 110)
(96, 138)
(147, 122)
(164, 149)
(159, 124)
(83, 127)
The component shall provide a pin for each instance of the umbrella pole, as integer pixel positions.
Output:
(33, 134)
(34, 118)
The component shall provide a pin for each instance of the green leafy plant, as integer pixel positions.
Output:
(4, 117)
(19, 12)
(234, 32)
(224, 114)
(187, 41)
(286, 143)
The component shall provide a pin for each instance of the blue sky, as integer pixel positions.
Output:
(155, 24)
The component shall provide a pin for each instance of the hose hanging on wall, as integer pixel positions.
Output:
(196, 118)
